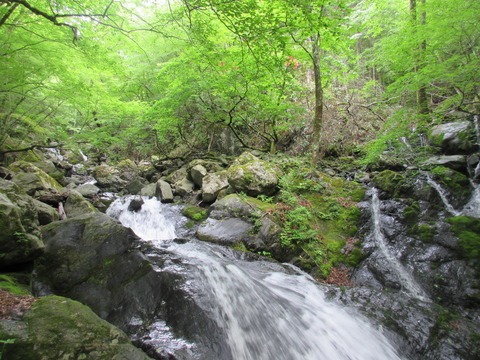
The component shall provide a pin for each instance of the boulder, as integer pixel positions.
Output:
(88, 190)
(213, 184)
(77, 205)
(136, 185)
(127, 170)
(108, 178)
(225, 232)
(253, 176)
(177, 175)
(32, 179)
(453, 138)
(231, 206)
(197, 173)
(149, 190)
(60, 328)
(46, 213)
(164, 192)
(184, 187)
(20, 238)
(455, 162)
(49, 167)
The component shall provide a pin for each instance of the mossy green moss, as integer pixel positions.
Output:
(11, 284)
(467, 230)
(195, 213)
(390, 182)
(452, 180)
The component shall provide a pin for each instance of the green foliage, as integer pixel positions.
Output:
(9, 283)
(389, 181)
(195, 213)
(467, 230)
(452, 180)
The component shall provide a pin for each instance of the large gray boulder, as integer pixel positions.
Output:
(197, 173)
(20, 238)
(253, 176)
(453, 138)
(455, 162)
(108, 178)
(32, 179)
(213, 184)
(77, 205)
(225, 232)
(59, 328)
(164, 192)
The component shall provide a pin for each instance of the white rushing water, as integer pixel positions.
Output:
(405, 278)
(267, 314)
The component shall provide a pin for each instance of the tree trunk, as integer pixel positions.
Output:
(419, 55)
(318, 116)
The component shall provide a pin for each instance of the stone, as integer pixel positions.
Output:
(20, 238)
(184, 187)
(253, 176)
(454, 162)
(176, 176)
(46, 213)
(197, 174)
(135, 205)
(164, 192)
(108, 178)
(231, 206)
(453, 138)
(136, 185)
(225, 232)
(32, 179)
(213, 184)
(149, 190)
(59, 328)
(77, 205)
(88, 190)
(127, 170)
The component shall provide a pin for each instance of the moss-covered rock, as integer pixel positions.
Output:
(77, 205)
(20, 238)
(60, 328)
(31, 179)
(453, 181)
(253, 176)
(467, 230)
(453, 138)
(195, 213)
(390, 181)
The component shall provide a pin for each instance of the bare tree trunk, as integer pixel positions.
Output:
(419, 54)
(318, 116)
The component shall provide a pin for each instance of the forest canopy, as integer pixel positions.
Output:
(307, 77)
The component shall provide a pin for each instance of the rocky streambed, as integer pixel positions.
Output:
(398, 242)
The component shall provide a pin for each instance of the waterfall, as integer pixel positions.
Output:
(265, 311)
(407, 281)
(443, 195)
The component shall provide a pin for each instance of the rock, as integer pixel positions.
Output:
(32, 179)
(77, 205)
(177, 175)
(135, 205)
(88, 190)
(108, 179)
(149, 190)
(453, 138)
(20, 238)
(184, 187)
(127, 170)
(50, 168)
(46, 213)
(455, 162)
(253, 176)
(389, 181)
(231, 206)
(164, 192)
(60, 328)
(213, 184)
(197, 174)
(136, 185)
(225, 232)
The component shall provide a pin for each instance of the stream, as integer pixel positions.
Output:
(266, 310)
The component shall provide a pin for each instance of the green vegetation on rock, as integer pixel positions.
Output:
(467, 230)
(195, 213)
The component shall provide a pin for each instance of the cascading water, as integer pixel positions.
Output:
(406, 280)
(265, 312)
(443, 195)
